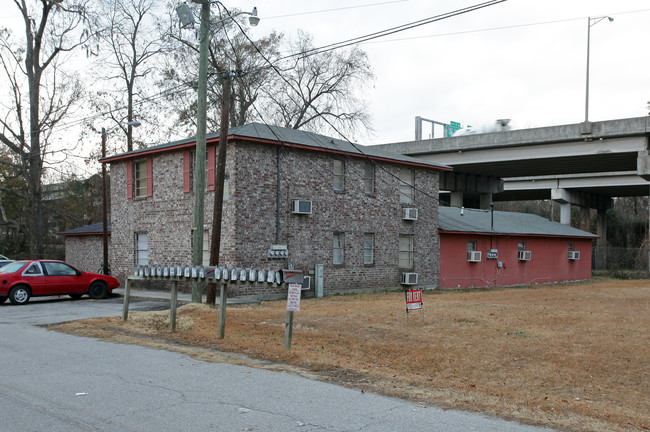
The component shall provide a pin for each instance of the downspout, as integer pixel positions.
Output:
(278, 153)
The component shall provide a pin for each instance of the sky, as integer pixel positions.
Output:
(520, 59)
(524, 60)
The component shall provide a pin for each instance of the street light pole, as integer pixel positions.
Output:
(590, 23)
(105, 269)
(201, 147)
(187, 19)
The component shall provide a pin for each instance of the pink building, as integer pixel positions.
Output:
(479, 248)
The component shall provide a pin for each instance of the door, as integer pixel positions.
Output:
(61, 278)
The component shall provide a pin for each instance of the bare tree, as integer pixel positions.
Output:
(229, 50)
(52, 29)
(131, 40)
(321, 91)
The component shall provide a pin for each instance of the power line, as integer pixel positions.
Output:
(334, 9)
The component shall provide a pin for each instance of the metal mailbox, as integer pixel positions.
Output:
(292, 276)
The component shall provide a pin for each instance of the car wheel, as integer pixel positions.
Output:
(97, 290)
(19, 295)
(3, 299)
(75, 296)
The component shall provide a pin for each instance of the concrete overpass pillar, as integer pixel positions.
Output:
(565, 213)
(601, 243)
(486, 200)
(456, 199)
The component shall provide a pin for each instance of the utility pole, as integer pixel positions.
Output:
(199, 160)
(105, 269)
(217, 215)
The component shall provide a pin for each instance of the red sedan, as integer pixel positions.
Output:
(20, 280)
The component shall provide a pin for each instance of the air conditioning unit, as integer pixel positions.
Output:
(474, 256)
(306, 283)
(410, 214)
(574, 255)
(301, 207)
(524, 255)
(409, 279)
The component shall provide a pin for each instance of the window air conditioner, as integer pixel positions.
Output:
(524, 255)
(410, 214)
(474, 256)
(301, 207)
(574, 255)
(409, 279)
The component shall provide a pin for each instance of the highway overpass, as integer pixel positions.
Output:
(584, 164)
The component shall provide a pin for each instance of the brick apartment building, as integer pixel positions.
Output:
(373, 215)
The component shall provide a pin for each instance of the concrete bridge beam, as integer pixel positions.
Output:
(643, 165)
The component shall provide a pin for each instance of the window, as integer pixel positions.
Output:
(369, 179)
(471, 246)
(521, 246)
(206, 248)
(339, 175)
(59, 269)
(572, 247)
(338, 248)
(34, 269)
(368, 248)
(406, 251)
(141, 249)
(188, 169)
(406, 186)
(140, 169)
(139, 178)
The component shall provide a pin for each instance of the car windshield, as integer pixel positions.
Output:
(13, 266)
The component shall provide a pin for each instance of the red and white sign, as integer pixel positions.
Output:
(413, 300)
(293, 297)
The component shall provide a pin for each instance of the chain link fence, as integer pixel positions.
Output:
(627, 263)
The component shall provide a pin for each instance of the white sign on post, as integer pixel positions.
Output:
(293, 297)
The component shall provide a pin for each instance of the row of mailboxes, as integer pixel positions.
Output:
(219, 273)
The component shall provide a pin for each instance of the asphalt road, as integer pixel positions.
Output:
(56, 382)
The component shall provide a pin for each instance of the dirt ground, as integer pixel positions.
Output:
(573, 357)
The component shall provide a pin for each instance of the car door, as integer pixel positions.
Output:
(33, 275)
(62, 278)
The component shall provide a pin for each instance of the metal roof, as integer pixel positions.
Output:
(277, 135)
(455, 219)
(93, 229)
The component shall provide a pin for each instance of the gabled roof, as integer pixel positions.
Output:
(453, 220)
(93, 229)
(292, 138)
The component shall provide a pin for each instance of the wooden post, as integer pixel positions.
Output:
(288, 331)
(127, 292)
(222, 309)
(172, 311)
(220, 176)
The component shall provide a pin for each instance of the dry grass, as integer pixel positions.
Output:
(573, 356)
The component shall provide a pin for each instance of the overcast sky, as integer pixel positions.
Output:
(520, 59)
